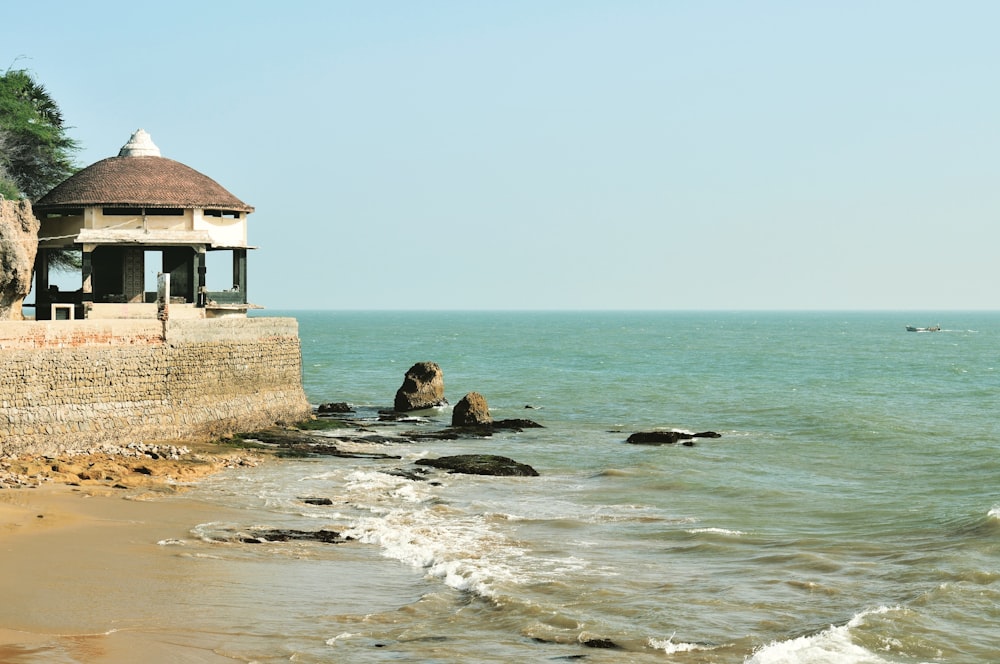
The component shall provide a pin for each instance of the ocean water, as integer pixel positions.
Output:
(849, 513)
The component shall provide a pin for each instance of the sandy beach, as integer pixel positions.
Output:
(86, 573)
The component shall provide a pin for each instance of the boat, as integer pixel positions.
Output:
(933, 328)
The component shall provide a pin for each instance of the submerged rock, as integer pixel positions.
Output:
(293, 442)
(285, 535)
(335, 407)
(308, 500)
(480, 464)
(516, 423)
(668, 437)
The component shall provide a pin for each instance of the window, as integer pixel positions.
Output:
(149, 212)
(232, 214)
(69, 212)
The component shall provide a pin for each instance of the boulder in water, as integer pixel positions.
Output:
(471, 411)
(423, 387)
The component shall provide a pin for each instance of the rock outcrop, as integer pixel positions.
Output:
(423, 387)
(668, 437)
(471, 411)
(334, 407)
(480, 464)
(18, 246)
(516, 424)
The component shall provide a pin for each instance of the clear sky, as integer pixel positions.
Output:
(563, 154)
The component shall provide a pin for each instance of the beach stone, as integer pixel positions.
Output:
(423, 387)
(480, 464)
(471, 411)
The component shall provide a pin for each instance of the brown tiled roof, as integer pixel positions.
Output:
(140, 182)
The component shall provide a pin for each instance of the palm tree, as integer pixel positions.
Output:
(35, 150)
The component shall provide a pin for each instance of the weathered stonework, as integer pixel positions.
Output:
(72, 384)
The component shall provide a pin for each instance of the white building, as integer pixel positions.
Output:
(134, 214)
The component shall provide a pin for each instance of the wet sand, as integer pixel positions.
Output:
(86, 577)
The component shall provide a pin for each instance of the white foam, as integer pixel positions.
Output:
(716, 531)
(171, 542)
(670, 647)
(994, 512)
(831, 646)
(340, 637)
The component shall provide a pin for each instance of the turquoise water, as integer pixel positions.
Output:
(850, 512)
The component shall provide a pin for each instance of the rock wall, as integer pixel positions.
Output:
(18, 246)
(72, 384)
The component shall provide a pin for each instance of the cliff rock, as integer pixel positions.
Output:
(18, 246)
(423, 387)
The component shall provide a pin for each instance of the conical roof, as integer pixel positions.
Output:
(139, 177)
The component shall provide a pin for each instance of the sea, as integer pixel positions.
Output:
(848, 513)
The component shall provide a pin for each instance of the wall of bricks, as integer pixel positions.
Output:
(73, 384)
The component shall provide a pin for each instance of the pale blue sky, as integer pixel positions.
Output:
(554, 154)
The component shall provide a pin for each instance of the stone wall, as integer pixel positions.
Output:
(72, 384)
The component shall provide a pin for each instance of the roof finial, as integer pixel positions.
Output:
(140, 145)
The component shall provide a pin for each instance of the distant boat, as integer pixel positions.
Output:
(933, 328)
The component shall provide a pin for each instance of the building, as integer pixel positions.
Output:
(137, 215)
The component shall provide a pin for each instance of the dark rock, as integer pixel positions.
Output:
(668, 437)
(416, 475)
(601, 643)
(433, 435)
(516, 423)
(423, 387)
(337, 407)
(480, 464)
(657, 437)
(285, 535)
(471, 411)
(292, 442)
(316, 501)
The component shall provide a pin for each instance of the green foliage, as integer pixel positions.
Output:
(8, 189)
(35, 151)
(65, 260)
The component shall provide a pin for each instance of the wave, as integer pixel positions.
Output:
(409, 524)
(833, 645)
(715, 531)
(671, 647)
(464, 552)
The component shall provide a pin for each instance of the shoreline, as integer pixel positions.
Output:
(80, 536)
(161, 467)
